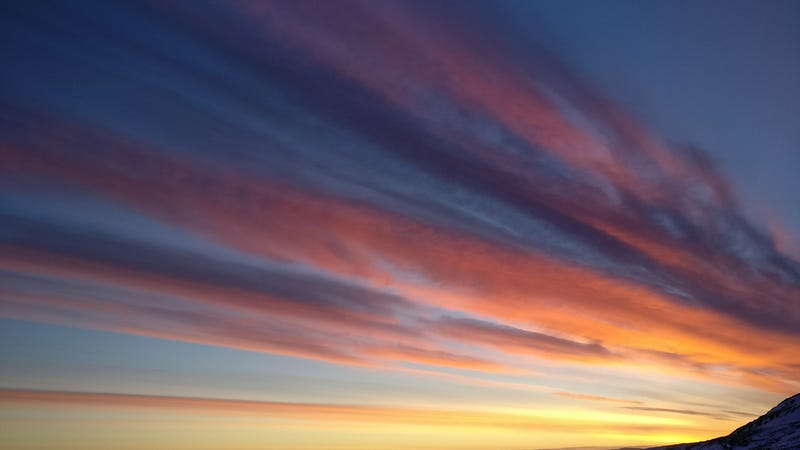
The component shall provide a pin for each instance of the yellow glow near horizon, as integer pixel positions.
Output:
(89, 420)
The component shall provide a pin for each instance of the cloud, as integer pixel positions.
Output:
(342, 414)
(595, 398)
(668, 410)
(384, 199)
(517, 340)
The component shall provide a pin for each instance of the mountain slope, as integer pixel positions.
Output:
(778, 429)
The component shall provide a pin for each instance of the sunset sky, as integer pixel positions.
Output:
(445, 225)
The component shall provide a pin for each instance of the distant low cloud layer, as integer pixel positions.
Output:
(387, 185)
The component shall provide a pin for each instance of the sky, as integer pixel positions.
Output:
(396, 225)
